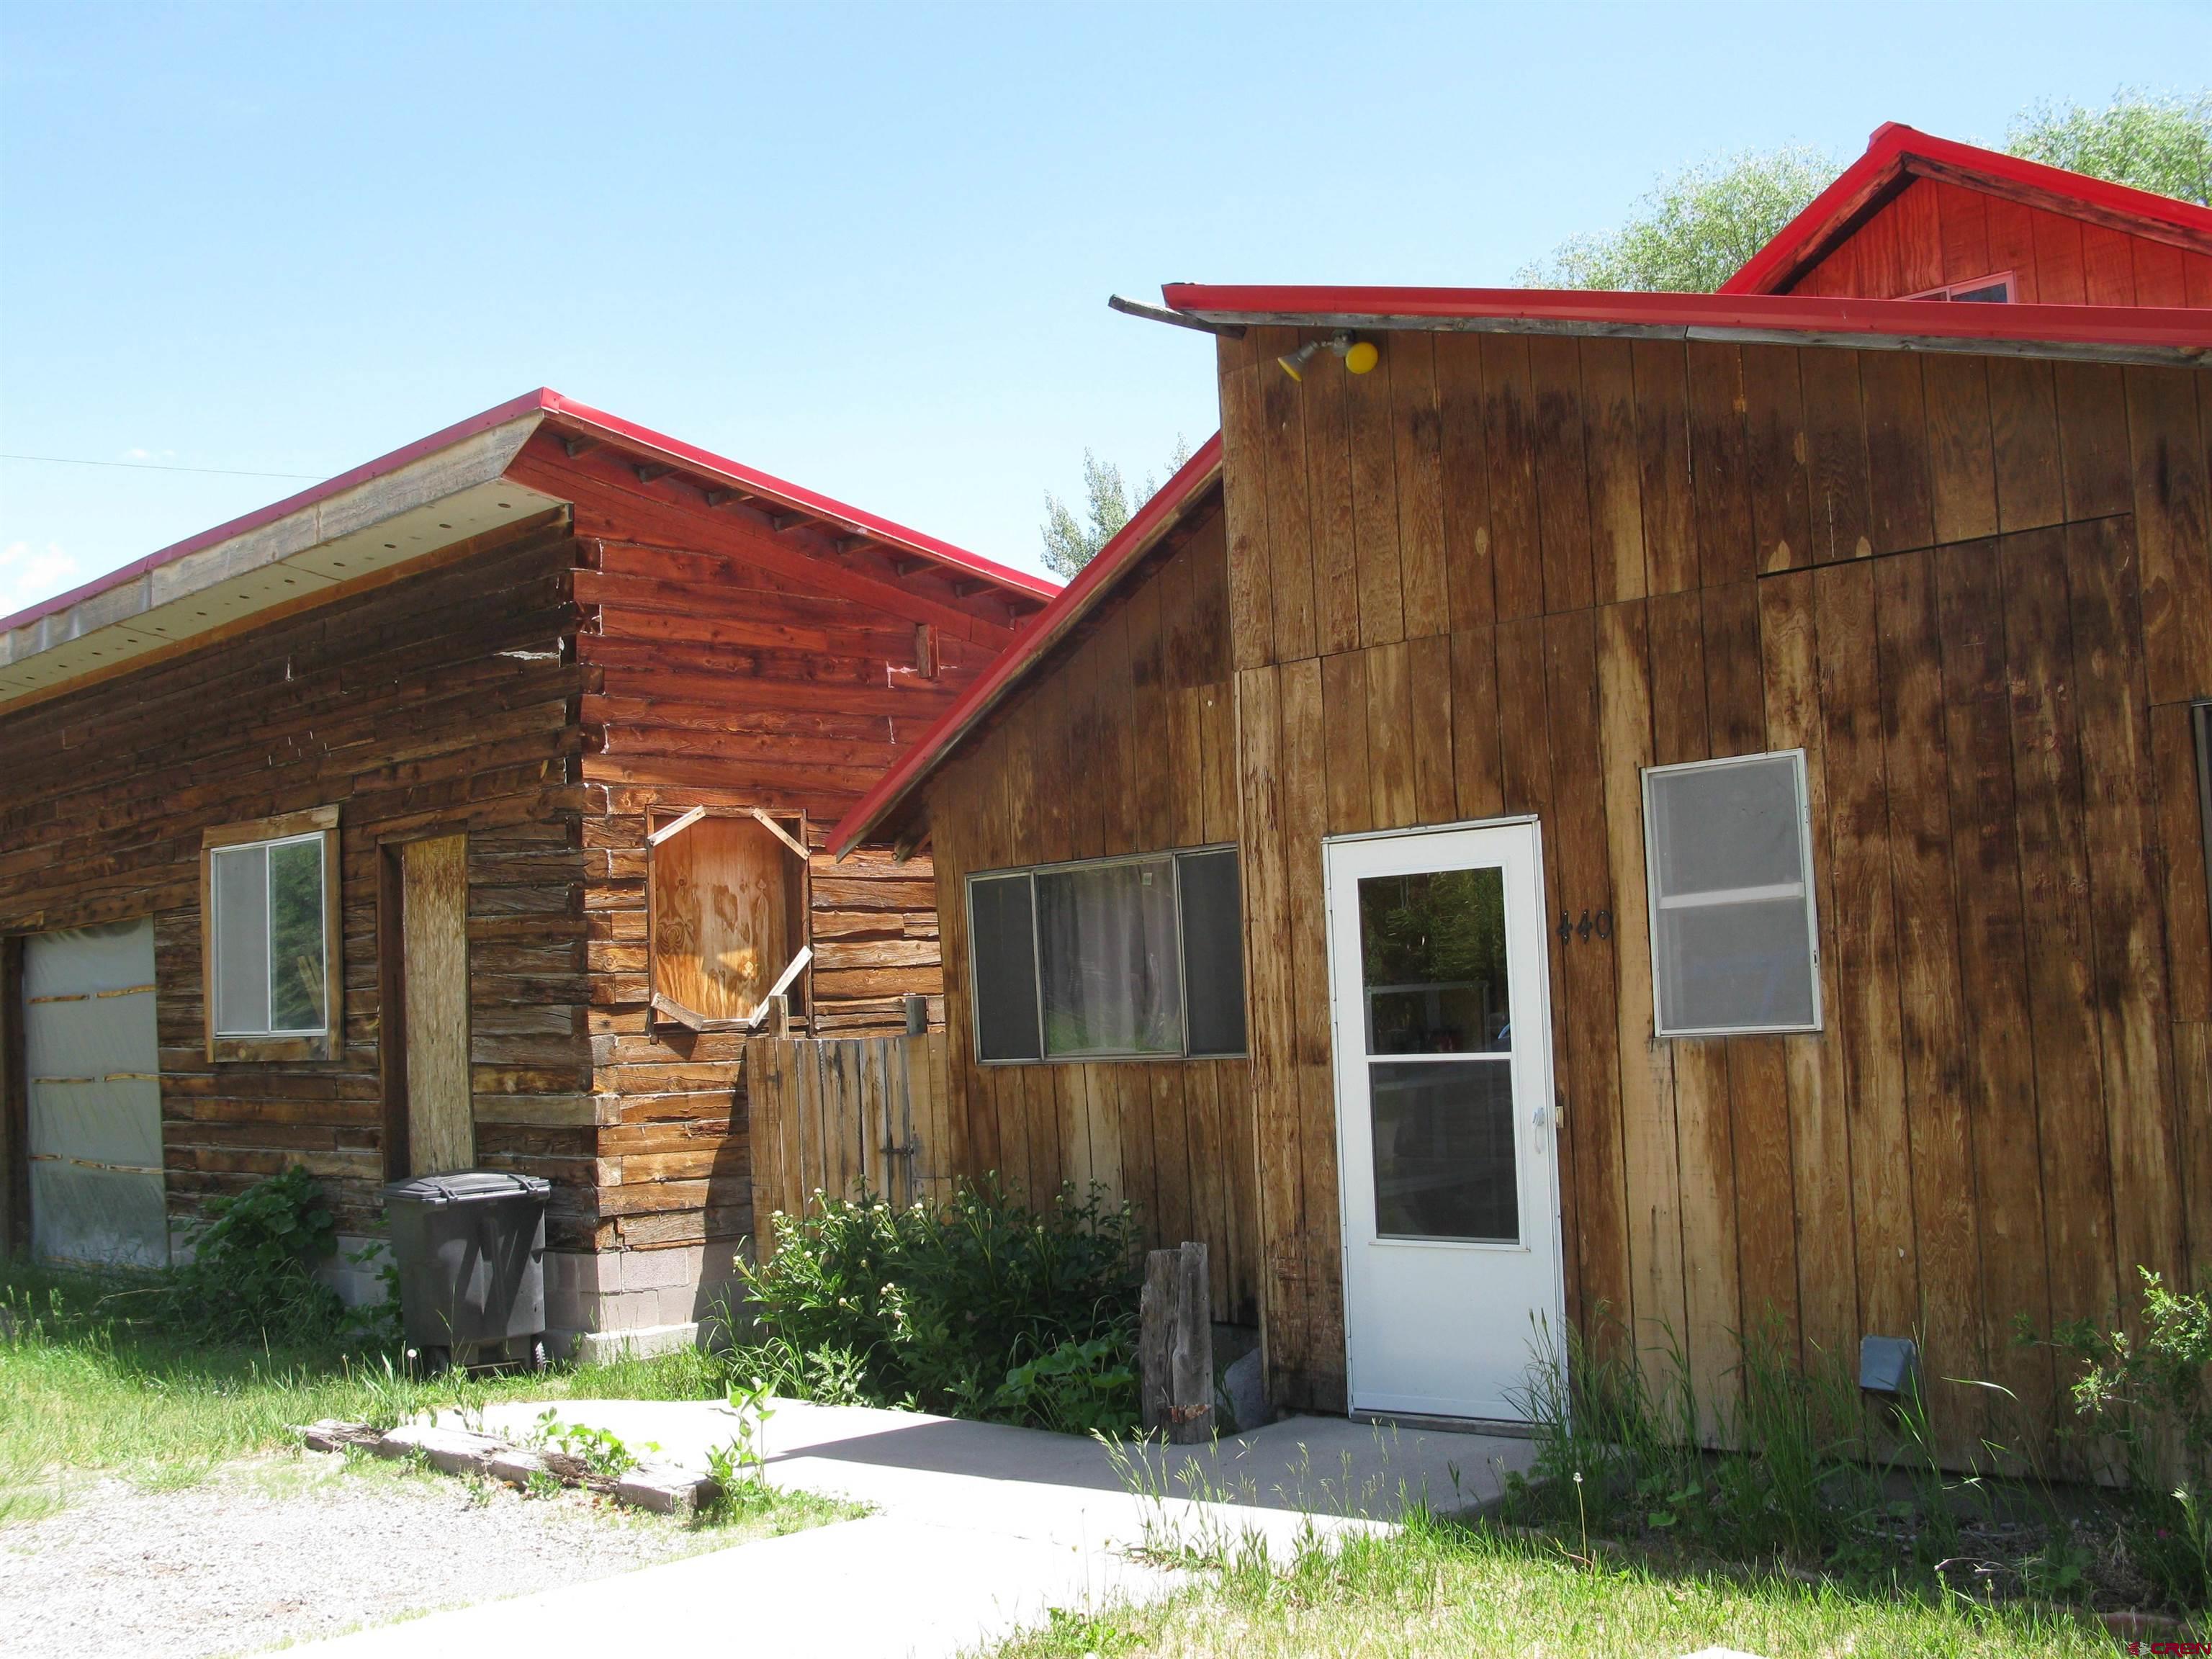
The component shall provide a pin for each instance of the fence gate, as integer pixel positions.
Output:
(844, 1116)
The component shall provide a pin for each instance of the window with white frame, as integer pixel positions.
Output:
(268, 891)
(1734, 938)
(1994, 290)
(1108, 959)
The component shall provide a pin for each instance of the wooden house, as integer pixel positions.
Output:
(1714, 789)
(463, 811)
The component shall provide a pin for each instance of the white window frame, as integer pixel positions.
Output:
(1996, 279)
(319, 825)
(1175, 856)
(1806, 889)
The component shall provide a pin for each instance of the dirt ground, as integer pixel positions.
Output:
(297, 1547)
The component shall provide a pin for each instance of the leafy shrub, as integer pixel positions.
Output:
(251, 1275)
(1079, 1388)
(2145, 1396)
(939, 1307)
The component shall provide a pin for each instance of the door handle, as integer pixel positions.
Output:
(1540, 1117)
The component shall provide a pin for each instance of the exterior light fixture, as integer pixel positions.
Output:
(1359, 355)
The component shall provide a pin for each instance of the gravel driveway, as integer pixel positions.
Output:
(294, 1546)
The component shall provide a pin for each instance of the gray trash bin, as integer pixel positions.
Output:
(470, 1249)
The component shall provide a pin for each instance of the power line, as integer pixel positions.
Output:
(156, 466)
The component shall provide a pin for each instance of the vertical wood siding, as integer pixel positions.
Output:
(1501, 575)
(1126, 745)
(1933, 233)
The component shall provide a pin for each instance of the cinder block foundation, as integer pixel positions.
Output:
(640, 1302)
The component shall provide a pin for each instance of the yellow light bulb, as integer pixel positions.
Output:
(1361, 358)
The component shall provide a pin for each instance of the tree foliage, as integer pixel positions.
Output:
(2161, 143)
(1695, 228)
(1070, 542)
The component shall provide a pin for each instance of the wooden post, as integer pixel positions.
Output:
(917, 1013)
(779, 1019)
(1175, 1346)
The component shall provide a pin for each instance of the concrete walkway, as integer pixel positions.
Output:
(977, 1529)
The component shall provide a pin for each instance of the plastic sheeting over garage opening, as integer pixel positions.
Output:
(95, 1095)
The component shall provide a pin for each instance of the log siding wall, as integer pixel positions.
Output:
(723, 667)
(442, 701)
(1933, 233)
(1501, 574)
(1126, 743)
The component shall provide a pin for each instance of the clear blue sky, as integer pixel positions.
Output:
(866, 249)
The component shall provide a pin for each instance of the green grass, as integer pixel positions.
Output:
(1439, 1589)
(86, 1393)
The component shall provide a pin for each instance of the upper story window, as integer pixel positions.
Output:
(1997, 289)
(1734, 938)
(1110, 958)
(269, 911)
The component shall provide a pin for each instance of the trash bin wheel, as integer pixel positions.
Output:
(433, 1360)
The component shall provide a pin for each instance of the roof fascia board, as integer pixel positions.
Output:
(384, 489)
(1124, 552)
(2098, 333)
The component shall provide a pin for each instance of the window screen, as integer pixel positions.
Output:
(270, 977)
(1727, 846)
(1212, 953)
(1003, 944)
(1133, 957)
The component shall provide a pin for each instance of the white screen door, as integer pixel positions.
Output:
(1447, 1148)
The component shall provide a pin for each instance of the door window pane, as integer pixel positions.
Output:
(1212, 952)
(1444, 1164)
(239, 880)
(1112, 977)
(1003, 944)
(1432, 951)
(295, 936)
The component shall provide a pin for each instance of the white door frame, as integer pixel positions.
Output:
(1543, 1145)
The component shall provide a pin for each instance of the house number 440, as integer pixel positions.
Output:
(1598, 922)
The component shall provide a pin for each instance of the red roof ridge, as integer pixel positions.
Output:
(1896, 152)
(1046, 629)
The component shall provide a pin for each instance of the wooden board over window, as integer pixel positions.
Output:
(723, 894)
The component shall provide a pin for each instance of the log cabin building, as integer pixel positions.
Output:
(462, 812)
(1702, 799)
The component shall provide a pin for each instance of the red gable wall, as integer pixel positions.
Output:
(1933, 233)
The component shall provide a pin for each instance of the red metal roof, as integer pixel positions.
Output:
(567, 413)
(1045, 631)
(1897, 154)
(2154, 333)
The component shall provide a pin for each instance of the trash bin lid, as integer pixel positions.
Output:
(466, 1187)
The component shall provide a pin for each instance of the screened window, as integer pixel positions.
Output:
(1727, 847)
(270, 912)
(1114, 958)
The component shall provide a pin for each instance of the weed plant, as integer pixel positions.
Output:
(2145, 1429)
(979, 1306)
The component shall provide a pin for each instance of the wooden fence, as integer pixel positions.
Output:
(844, 1116)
